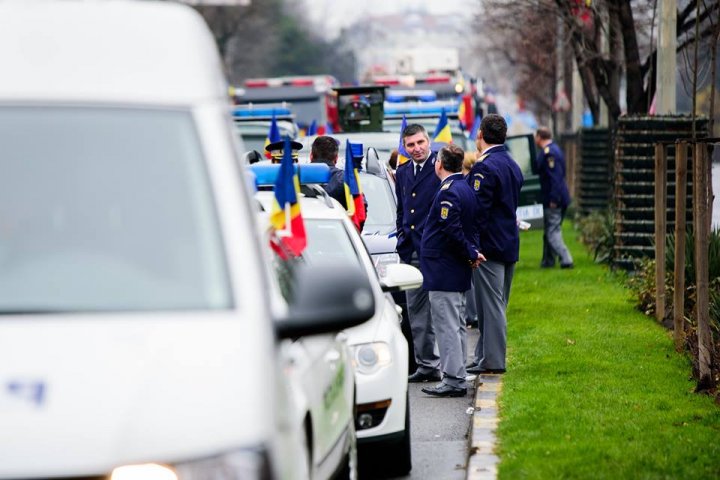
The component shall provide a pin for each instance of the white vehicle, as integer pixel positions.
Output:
(378, 347)
(137, 339)
(320, 376)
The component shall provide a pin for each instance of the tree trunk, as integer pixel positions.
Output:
(636, 99)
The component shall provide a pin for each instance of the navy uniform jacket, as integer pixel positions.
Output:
(336, 183)
(496, 180)
(447, 247)
(551, 169)
(414, 197)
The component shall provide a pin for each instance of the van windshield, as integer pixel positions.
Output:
(106, 209)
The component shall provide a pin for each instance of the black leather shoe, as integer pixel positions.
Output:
(567, 265)
(477, 370)
(419, 377)
(443, 390)
(471, 365)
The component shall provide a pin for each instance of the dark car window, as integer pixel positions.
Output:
(106, 209)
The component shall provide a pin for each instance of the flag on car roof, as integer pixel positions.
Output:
(288, 237)
(442, 131)
(353, 191)
(475, 128)
(273, 135)
(312, 129)
(403, 155)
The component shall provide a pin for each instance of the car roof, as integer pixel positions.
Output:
(119, 51)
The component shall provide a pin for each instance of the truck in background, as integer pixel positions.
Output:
(311, 98)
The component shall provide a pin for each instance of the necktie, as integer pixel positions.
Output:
(418, 167)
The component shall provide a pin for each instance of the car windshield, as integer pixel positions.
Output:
(329, 243)
(106, 209)
(381, 212)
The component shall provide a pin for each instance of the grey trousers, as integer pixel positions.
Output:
(471, 311)
(492, 281)
(426, 351)
(553, 244)
(448, 317)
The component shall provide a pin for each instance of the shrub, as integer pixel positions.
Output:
(597, 231)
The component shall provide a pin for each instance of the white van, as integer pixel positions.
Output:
(136, 337)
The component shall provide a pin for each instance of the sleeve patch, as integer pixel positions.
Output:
(444, 212)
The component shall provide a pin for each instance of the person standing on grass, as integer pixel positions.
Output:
(496, 180)
(555, 197)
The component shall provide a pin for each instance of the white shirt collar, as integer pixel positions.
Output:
(489, 148)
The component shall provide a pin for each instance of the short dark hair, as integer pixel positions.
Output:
(494, 129)
(451, 158)
(412, 129)
(324, 149)
(544, 133)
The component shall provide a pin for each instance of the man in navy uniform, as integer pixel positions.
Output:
(447, 256)
(555, 197)
(325, 150)
(276, 150)
(496, 180)
(415, 186)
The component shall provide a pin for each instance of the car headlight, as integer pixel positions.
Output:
(237, 465)
(382, 260)
(370, 357)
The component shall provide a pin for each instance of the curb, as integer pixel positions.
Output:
(482, 461)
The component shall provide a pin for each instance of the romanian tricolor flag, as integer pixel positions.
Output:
(273, 135)
(403, 155)
(461, 116)
(312, 129)
(475, 127)
(288, 236)
(442, 131)
(353, 192)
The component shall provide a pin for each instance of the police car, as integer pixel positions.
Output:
(253, 122)
(137, 338)
(378, 347)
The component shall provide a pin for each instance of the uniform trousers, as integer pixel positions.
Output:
(448, 314)
(471, 311)
(492, 281)
(421, 327)
(553, 244)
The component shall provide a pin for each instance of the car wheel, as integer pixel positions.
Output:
(398, 455)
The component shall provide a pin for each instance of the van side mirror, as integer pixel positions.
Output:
(326, 299)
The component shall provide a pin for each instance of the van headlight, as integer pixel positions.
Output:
(370, 357)
(382, 260)
(237, 465)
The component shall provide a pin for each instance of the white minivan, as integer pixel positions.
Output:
(137, 340)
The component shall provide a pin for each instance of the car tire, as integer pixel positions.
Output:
(398, 454)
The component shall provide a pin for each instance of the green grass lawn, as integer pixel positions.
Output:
(594, 388)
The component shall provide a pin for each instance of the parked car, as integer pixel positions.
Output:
(138, 338)
(378, 347)
(253, 124)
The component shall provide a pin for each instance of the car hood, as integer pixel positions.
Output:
(83, 394)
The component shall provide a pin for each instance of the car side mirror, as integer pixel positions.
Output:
(400, 276)
(326, 299)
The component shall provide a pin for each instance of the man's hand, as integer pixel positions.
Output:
(480, 258)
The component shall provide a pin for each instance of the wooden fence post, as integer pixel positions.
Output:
(679, 272)
(700, 223)
(660, 229)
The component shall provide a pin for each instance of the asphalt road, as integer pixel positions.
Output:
(440, 428)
